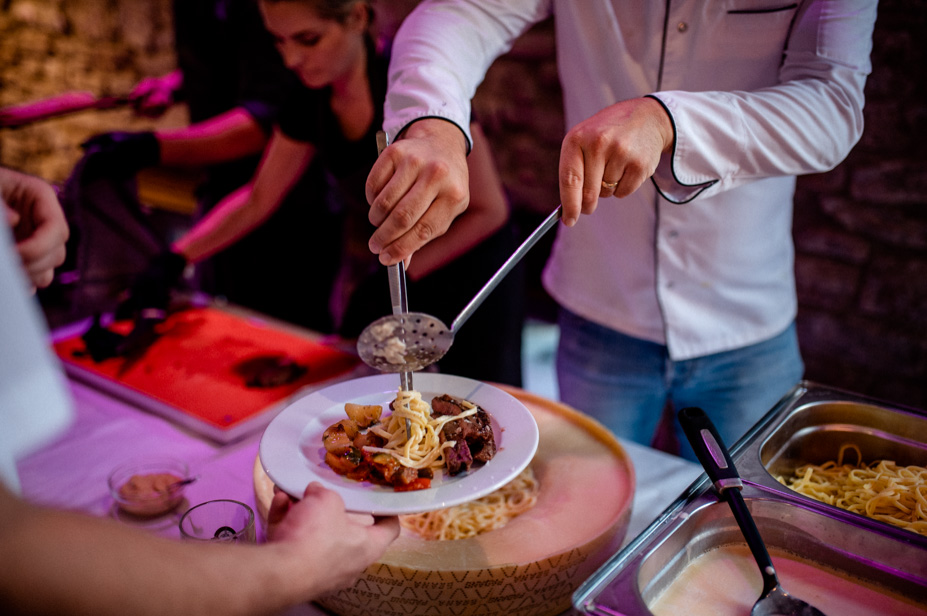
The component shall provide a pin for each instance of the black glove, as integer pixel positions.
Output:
(119, 155)
(101, 343)
(151, 289)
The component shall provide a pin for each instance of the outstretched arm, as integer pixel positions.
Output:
(57, 562)
(245, 209)
(804, 117)
(225, 137)
(440, 55)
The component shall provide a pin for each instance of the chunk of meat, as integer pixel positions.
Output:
(446, 405)
(457, 458)
(267, 371)
(368, 439)
(473, 435)
(479, 436)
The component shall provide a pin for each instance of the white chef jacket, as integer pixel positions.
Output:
(34, 402)
(758, 91)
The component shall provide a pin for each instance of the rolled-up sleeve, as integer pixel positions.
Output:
(442, 52)
(805, 122)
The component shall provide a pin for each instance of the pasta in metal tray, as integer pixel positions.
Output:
(881, 490)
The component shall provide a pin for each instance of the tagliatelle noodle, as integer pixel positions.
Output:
(424, 448)
(478, 516)
(881, 490)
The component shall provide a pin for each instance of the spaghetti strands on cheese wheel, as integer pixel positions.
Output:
(478, 516)
(881, 490)
(424, 448)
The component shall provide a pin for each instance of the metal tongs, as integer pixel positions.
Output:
(399, 297)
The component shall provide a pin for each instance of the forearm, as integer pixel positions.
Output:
(229, 221)
(805, 120)
(785, 131)
(226, 137)
(441, 54)
(248, 207)
(64, 563)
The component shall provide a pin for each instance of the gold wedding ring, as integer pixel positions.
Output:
(609, 184)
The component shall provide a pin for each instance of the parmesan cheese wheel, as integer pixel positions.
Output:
(532, 565)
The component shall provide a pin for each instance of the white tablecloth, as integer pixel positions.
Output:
(71, 472)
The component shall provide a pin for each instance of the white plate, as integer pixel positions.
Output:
(291, 449)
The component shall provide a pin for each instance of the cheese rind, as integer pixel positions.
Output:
(531, 566)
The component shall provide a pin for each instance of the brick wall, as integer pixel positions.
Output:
(48, 47)
(860, 230)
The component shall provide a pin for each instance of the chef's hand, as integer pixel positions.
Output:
(40, 229)
(331, 547)
(611, 154)
(119, 154)
(151, 289)
(416, 188)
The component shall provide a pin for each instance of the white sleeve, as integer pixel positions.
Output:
(805, 123)
(442, 52)
(34, 401)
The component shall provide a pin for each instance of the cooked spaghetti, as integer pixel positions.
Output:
(881, 490)
(478, 516)
(424, 448)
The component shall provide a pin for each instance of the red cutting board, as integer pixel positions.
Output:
(192, 371)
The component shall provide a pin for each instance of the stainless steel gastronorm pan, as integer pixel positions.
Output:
(808, 425)
(626, 585)
(812, 424)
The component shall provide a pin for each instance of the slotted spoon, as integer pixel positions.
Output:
(411, 341)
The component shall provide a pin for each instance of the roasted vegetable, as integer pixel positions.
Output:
(339, 437)
(364, 415)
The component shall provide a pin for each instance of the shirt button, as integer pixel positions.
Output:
(672, 234)
(682, 26)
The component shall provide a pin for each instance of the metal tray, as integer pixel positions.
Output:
(811, 426)
(808, 425)
(190, 390)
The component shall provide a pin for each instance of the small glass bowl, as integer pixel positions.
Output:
(149, 487)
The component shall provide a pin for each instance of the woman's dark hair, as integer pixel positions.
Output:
(336, 10)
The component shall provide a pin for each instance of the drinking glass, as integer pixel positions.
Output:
(221, 520)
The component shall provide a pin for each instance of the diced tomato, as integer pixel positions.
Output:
(345, 463)
(422, 483)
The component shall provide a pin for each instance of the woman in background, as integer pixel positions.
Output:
(330, 46)
(233, 83)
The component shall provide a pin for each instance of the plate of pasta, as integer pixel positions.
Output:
(295, 444)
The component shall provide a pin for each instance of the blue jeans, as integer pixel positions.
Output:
(625, 382)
